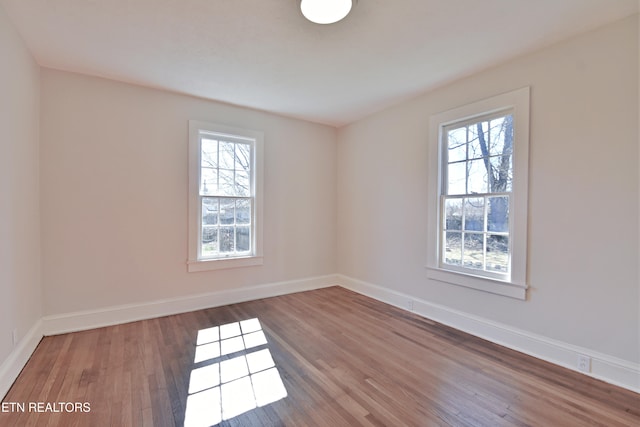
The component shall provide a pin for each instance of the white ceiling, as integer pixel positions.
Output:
(263, 54)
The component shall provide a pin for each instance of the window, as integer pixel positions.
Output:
(479, 174)
(224, 200)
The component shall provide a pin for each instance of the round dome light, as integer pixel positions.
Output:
(325, 11)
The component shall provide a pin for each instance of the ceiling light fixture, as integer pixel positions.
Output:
(326, 11)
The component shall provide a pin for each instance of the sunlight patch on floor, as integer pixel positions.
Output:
(238, 374)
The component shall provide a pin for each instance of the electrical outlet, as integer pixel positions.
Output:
(409, 304)
(14, 337)
(584, 363)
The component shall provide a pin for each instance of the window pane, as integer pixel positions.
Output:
(242, 184)
(475, 148)
(209, 156)
(503, 166)
(209, 241)
(208, 181)
(456, 177)
(453, 214)
(227, 183)
(498, 214)
(227, 211)
(477, 177)
(243, 211)
(453, 248)
(243, 240)
(209, 211)
(457, 144)
(474, 251)
(498, 253)
(227, 155)
(501, 132)
(226, 239)
(474, 214)
(243, 157)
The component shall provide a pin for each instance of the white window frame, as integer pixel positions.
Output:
(256, 139)
(515, 283)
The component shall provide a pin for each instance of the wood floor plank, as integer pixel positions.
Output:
(343, 359)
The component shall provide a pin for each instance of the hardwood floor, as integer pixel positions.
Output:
(328, 357)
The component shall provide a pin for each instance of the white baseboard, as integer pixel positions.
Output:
(607, 368)
(604, 367)
(18, 358)
(91, 319)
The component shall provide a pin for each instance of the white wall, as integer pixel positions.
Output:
(20, 291)
(583, 199)
(114, 195)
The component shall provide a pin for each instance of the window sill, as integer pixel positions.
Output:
(220, 264)
(498, 287)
